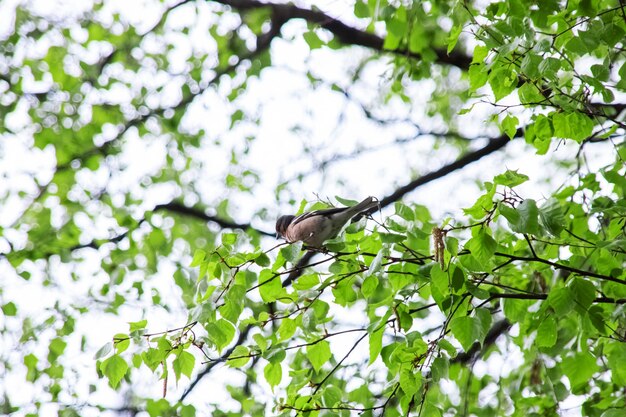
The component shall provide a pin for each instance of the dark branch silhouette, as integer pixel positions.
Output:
(198, 213)
(491, 147)
(344, 33)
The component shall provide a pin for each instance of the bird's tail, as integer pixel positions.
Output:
(364, 205)
(357, 210)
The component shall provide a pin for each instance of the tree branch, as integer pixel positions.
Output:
(560, 266)
(493, 146)
(471, 355)
(344, 33)
(198, 213)
(242, 337)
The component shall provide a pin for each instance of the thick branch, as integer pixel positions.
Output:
(344, 33)
(496, 330)
(493, 146)
(179, 208)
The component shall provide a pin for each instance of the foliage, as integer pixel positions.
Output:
(513, 307)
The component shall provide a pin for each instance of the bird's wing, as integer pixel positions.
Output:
(323, 212)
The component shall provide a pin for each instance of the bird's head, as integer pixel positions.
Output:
(282, 223)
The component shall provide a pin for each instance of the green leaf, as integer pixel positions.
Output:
(574, 125)
(480, 53)
(528, 217)
(114, 368)
(530, 95)
(156, 239)
(369, 286)
(30, 361)
(287, 329)
(543, 127)
(153, 357)
(549, 67)
(466, 330)
(361, 10)
(583, 291)
(510, 178)
(56, 348)
(515, 310)
(158, 408)
(510, 214)
(396, 29)
(440, 286)
(616, 354)
(482, 246)
(404, 211)
(273, 373)
(579, 369)
(332, 396)
(509, 125)
(229, 238)
(546, 333)
(530, 66)
(104, 350)
(410, 380)
(597, 317)
(478, 76)
(418, 40)
(137, 360)
(439, 369)
(318, 354)
(344, 293)
(261, 341)
(621, 84)
(376, 264)
(122, 342)
(221, 333)
(183, 364)
(483, 204)
(187, 410)
(312, 40)
(233, 303)
(561, 300)
(270, 286)
(306, 281)
(562, 128)
(447, 347)
(502, 81)
(262, 260)
(376, 343)
(292, 251)
(9, 309)
(576, 46)
(240, 357)
(551, 217)
(613, 412)
(581, 126)
(137, 325)
(198, 257)
(454, 37)
(391, 237)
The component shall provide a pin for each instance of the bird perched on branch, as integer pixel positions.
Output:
(315, 227)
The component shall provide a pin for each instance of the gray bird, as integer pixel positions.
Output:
(315, 227)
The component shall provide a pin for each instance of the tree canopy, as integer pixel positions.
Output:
(147, 150)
